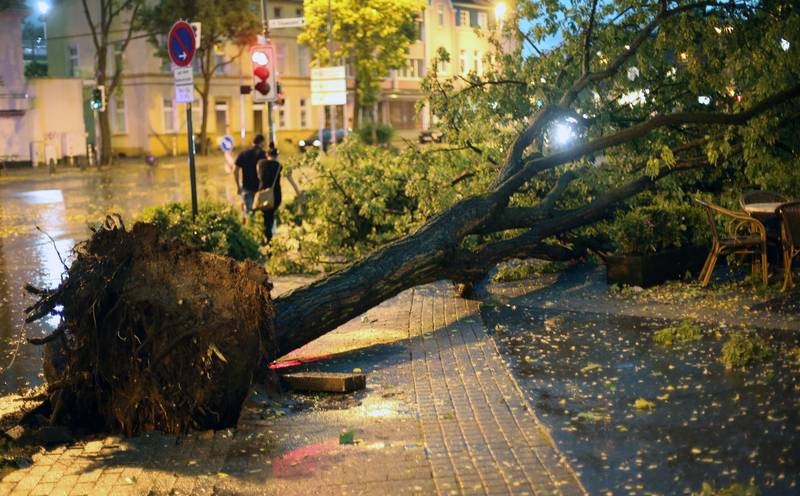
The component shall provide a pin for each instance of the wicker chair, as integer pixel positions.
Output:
(745, 235)
(790, 237)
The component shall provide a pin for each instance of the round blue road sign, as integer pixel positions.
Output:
(226, 143)
(180, 43)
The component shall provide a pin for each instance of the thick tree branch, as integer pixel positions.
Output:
(587, 40)
(91, 24)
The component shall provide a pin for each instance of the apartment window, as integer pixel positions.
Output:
(219, 67)
(412, 70)
(277, 12)
(120, 115)
(303, 114)
(483, 20)
(196, 117)
(221, 117)
(463, 18)
(169, 115)
(464, 62)
(74, 61)
(119, 55)
(283, 114)
(303, 61)
(442, 68)
(298, 12)
(440, 13)
(477, 64)
(280, 54)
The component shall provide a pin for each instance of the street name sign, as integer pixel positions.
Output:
(291, 22)
(184, 84)
(328, 85)
(181, 44)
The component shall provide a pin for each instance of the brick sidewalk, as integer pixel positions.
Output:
(441, 415)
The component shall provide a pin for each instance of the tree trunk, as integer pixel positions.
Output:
(204, 117)
(309, 312)
(104, 122)
(356, 109)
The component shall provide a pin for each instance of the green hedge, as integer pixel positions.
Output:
(218, 228)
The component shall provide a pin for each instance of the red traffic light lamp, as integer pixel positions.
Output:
(264, 85)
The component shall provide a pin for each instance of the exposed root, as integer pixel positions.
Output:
(154, 335)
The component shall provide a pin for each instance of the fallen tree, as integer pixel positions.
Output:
(541, 195)
(652, 141)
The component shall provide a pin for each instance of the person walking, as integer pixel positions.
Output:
(269, 176)
(247, 165)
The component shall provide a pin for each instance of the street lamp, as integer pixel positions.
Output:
(500, 13)
(43, 7)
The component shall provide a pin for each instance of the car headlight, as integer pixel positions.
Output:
(317, 142)
(302, 142)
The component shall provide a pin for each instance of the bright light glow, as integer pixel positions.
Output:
(317, 143)
(562, 133)
(500, 10)
(704, 100)
(259, 58)
(718, 30)
(785, 45)
(43, 7)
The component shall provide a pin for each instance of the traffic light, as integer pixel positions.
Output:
(98, 101)
(263, 60)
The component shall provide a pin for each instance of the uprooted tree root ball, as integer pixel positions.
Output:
(153, 334)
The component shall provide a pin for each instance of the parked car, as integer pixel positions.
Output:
(314, 140)
(431, 136)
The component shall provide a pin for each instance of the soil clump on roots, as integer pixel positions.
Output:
(154, 335)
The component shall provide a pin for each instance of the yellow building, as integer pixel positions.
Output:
(146, 120)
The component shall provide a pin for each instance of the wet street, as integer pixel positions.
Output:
(637, 417)
(43, 215)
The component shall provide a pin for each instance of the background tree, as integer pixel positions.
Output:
(372, 35)
(106, 19)
(224, 22)
(33, 52)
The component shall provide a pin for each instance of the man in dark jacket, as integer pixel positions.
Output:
(269, 176)
(247, 162)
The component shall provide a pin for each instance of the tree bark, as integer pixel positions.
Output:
(356, 107)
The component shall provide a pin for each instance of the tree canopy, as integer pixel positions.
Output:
(373, 35)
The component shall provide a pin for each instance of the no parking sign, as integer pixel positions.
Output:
(181, 43)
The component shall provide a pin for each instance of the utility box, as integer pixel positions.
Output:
(73, 143)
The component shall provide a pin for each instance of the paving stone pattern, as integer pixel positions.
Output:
(481, 435)
(441, 415)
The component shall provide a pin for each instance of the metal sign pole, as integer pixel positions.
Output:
(192, 178)
(330, 63)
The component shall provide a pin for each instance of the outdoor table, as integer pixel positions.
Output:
(762, 208)
(767, 215)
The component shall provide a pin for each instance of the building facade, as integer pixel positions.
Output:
(146, 120)
(40, 119)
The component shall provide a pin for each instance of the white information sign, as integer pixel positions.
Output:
(328, 86)
(291, 22)
(184, 84)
